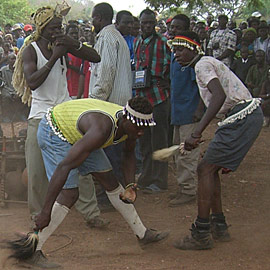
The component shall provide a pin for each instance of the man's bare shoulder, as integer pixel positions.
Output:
(99, 122)
(29, 53)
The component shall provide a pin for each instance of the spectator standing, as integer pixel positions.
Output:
(12, 108)
(152, 53)
(222, 43)
(265, 95)
(242, 65)
(124, 23)
(185, 99)
(18, 35)
(87, 201)
(263, 41)
(111, 78)
(136, 27)
(257, 74)
(74, 64)
(28, 30)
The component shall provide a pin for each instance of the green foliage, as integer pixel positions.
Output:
(80, 9)
(200, 8)
(14, 11)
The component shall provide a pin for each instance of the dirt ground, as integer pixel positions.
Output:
(246, 198)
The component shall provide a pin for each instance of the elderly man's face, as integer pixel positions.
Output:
(52, 29)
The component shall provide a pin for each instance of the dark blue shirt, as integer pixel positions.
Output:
(130, 39)
(184, 94)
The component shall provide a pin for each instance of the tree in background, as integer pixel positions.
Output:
(19, 11)
(200, 8)
(14, 11)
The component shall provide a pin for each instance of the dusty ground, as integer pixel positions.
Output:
(246, 198)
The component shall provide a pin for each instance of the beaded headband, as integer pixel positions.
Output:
(140, 119)
(186, 42)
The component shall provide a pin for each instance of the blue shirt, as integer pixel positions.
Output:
(20, 42)
(130, 39)
(185, 95)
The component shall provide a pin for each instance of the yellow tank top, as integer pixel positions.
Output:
(67, 115)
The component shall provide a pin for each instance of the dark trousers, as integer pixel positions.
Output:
(154, 138)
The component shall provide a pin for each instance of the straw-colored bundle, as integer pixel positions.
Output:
(165, 153)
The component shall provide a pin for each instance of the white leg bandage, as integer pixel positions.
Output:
(128, 211)
(59, 212)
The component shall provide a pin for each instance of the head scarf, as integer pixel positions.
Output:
(40, 18)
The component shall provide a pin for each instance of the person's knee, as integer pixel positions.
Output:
(68, 197)
(107, 180)
(205, 168)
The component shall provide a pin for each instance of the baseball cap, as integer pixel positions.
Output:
(28, 27)
(16, 27)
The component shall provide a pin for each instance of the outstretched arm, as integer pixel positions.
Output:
(78, 49)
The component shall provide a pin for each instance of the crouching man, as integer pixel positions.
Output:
(71, 137)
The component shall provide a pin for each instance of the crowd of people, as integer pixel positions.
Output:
(104, 96)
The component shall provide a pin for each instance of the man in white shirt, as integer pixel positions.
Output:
(263, 41)
(111, 78)
(222, 42)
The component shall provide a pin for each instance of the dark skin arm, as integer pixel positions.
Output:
(81, 86)
(216, 102)
(225, 54)
(96, 128)
(34, 77)
(73, 47)
(263, 93)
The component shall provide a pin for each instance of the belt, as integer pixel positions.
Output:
(52, 123)
(252, 106)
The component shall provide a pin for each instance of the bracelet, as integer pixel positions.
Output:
(80, 46)
(132, 185)
(195, 137)
(46, 66)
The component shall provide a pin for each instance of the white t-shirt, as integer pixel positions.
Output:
(209, 68)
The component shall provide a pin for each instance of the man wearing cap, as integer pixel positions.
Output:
(72, 136)
(223, 93)
(17, 33)
(263, 41)
(28, 29)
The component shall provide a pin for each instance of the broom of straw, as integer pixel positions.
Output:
(165, 153)
(24, 247)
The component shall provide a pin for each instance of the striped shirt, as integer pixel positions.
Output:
(111, 78)
(160, 69)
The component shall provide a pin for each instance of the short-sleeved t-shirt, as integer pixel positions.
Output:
(209, 68)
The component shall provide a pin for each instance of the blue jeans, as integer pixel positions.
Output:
(54, 150)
